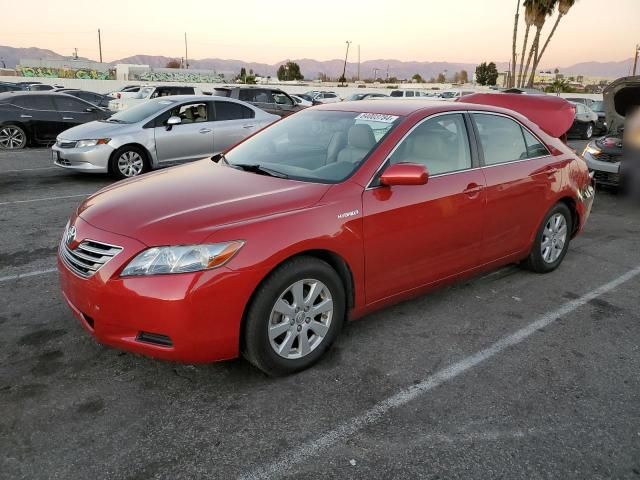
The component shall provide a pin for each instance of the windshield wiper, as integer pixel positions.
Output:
(254, 167)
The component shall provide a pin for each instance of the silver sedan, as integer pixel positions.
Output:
(159, 132)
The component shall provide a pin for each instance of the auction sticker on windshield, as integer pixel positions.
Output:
(377, 117)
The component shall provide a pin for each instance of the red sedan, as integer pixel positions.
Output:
(324, 216)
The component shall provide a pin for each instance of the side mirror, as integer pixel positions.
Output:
(405, 174)
(174, 120)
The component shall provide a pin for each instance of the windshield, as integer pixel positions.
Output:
(140, 112)
(597, 106)
(315, 146)
(448, 94)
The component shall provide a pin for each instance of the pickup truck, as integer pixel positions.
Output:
(271, 100)
(148, 92)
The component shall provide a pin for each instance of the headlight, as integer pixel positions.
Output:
(92, 143)
(590, 149)
(182, 259)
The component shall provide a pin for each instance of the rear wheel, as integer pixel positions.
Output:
(12, 137)
(128, 161)
(295, 316)
(552, 240)
(588, 131)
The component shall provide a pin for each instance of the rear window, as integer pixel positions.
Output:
(232, 111)
(501, 138)
(396, 93)
(34, 102)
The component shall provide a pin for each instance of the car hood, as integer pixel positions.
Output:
(185, 204)
(93, 130)
(619, 95)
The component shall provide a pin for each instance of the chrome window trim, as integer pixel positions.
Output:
(453, 112)
(498, 114)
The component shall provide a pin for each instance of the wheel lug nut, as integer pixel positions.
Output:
(299, 327)
(306, 309)
(308, 319)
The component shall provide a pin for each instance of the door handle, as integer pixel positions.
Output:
(25, 116)
(248, 126)
(205, 130)
(67, 118)
(472, 190)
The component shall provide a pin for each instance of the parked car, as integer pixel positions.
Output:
(96, 99)
(40, 87)
(408, 93)
(9, 87)
(584, 123)
(454, 94)
(158, 132)
(149, 92)
(365, 96)
(301, 101)
(585, 101)
(321, 217)
(604, 155)
(320, 97)
(271, 100)
(128, 91)
(597, 106)
(31, 118)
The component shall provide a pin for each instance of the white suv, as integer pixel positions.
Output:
(324, 97)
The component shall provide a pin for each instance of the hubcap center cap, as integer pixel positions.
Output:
(299, 317)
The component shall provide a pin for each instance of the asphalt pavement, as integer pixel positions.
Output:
(508, 375)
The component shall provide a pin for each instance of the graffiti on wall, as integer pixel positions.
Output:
(190, 77)
(79, 73)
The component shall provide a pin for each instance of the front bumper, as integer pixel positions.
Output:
(88, 159)
(199, 313)
(606, 173)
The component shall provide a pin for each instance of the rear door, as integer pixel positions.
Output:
(190, 140)
(38, 114)
(521, 176)
(416, 235)
(233, 123)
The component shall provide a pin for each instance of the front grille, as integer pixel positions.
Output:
(66, 143)
(606, 177)
(63, 161)
(154, 339)
(88, 257)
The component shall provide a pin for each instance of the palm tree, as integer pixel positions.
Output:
(542, 10)
(512, 73)
(563, 8)
(529, 15)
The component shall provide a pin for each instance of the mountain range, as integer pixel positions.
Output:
(332, 68)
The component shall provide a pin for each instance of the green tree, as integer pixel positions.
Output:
(441, 78)
(173, 63)
(290, 71)
(541, 9)
(486, 73)
(559, 85)
(243, 73)
(417, 78)
(464, 76)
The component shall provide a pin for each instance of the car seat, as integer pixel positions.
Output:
(360, 141)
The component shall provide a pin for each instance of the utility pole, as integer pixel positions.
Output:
(387, 72)
(375, 74)
(635, 59)
(358, 62)
(186, 55)
(100, 45)
(75, 53)
(344, 70)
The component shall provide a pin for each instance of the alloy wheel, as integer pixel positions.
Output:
(130, 164)
(554, 238)
(12, 138)
(300, 319)
(589, 132)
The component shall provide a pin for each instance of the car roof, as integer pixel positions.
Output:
(394, 107)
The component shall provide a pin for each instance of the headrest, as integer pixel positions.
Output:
(361, 136)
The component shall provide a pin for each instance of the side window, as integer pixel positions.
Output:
(69, 104)
(232, 111)
(408, 93)
(263, 96)
(247, 95)
(280, 98)
(441, 143)
(35, 102)
(534, 147)
(192, 112)
(501, 139)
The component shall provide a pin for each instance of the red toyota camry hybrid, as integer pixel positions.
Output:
(322, 217)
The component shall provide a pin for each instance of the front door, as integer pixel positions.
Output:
(419, 234)
(189, 140)
(73, 111)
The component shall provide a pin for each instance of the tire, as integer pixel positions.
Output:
(128, 162)
(588, 131)
(276, 320)
(545, 256)
(13, 137)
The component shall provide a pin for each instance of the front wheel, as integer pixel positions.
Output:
(127, 162)
(552, 240)
(12, 137)
(295, 316)
(588, 132)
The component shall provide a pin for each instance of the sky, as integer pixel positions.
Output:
(271, 31)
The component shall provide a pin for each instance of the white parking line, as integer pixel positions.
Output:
(25, 275)
(28, 169)
(345, 430)
(45, 199)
